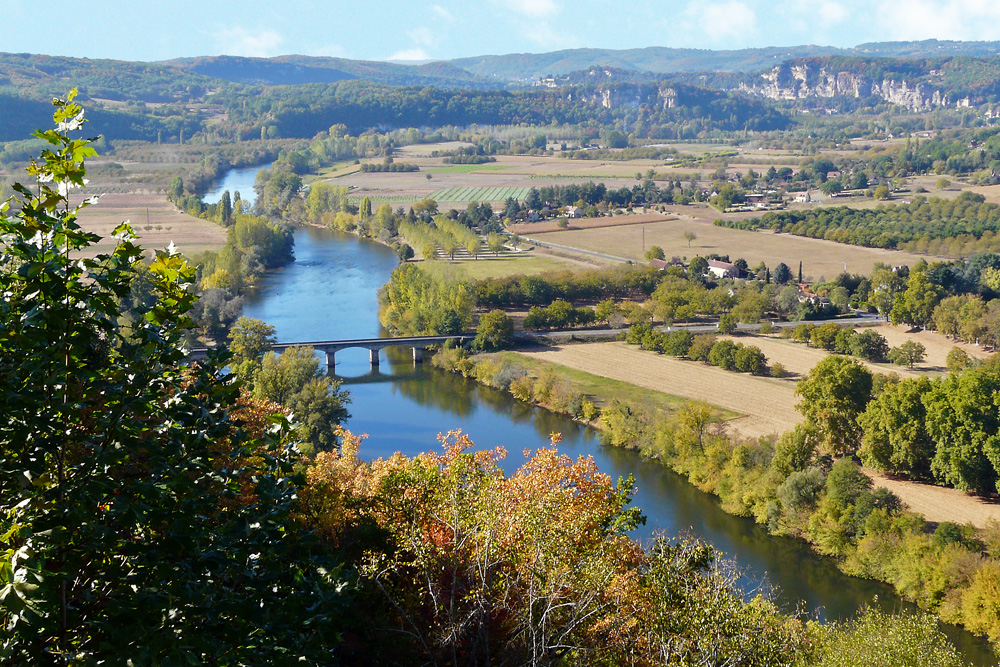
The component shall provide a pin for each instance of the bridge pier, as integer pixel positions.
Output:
(373, 356)
(418, 355)
(331, 358)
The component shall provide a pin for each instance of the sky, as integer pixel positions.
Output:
(446, 29)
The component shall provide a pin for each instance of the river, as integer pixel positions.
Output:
(235, 180)
(329, 293)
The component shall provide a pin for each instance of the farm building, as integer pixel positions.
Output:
(724, 269)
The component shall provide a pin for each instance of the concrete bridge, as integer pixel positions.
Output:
(373, 345)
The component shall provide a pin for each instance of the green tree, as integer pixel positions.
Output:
(916, 305)
(249, 340)
(878, 639)
(869, 344)
(690, 236)
(128, 479)
(495, 242)
(698, 266)
(782, 274)
(727, 324)
(294, 380)
(655, 252)
(886, 284)
(895, 435)
(908, 354)
(495, 332)
(962, 421)
(225, 209)
(834, 395)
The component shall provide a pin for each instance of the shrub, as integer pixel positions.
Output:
(750, 359)
(778, 370)
(766, 328)
(800, 491)
(870, 345)
(723, 355)
(701, 346)
(678, 343)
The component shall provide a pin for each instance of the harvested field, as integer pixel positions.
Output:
(799, 359)
(164, 224)
(938, 504)
(937, 346)
(821, 258)
(589, 223)
(769, 405)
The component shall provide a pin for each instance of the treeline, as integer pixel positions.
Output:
(960, 227)
(724, 354)
(515, 291)
(388, 166)
(253, 246)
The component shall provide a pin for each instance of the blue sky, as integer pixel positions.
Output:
(443, 29)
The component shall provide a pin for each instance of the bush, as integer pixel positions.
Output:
(701, 346)
(778, 370)
(870, 345)
(800, 491)
(846, 483)
(750, 359)
(766, 328)
(678, 343)
(723, 355)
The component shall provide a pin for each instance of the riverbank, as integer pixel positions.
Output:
(781, 484)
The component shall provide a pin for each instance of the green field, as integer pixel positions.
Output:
(479, 194)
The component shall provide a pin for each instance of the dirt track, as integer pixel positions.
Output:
(769, 405)
(937, 503)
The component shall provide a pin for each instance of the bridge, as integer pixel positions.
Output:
(373, 345)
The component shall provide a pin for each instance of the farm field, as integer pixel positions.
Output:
(768, 405)
(523, 263)
(820, 258)
(479, 194)
(165, 224)
(604, 390)
(589, 223)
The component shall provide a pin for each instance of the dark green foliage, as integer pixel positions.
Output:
(846, 483)
(723, 355)
(801, 490)
(495, 332)
(963, 422)
(795, 449)
(834, 395)
(870, 345)
(678, 343)
(782, 274)
(895, 436)
(141, 521)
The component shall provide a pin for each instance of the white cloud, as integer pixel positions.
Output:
(410, 54)
(731, 23)
(940, 19)
(422, 36)
(241, 42)
(443, 13)
(534, 9)
(833, 12)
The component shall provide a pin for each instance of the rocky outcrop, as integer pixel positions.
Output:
(616, 97)
(804, 81)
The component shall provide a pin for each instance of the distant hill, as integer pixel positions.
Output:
(528, 67)
(295, 70)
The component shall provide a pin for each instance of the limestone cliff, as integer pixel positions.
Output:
(791, 81)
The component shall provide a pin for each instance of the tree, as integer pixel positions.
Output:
(690, 236)
(964, 425)
(727, 324)
(495, 332)
(294, 380)
(131, 541)
(698, 266)
(881, 192)
(907, 354)
(885, 285)
(655, 252)
(958, 360)
(895, 436)
(225, 209)
(870, 345)
(404, 252)
(916, 305)
(782, 274)
(834, 394)
(249, 340)
(495, 242)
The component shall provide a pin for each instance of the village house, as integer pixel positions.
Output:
(573, 212)
(724, 269)
(803, 198)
